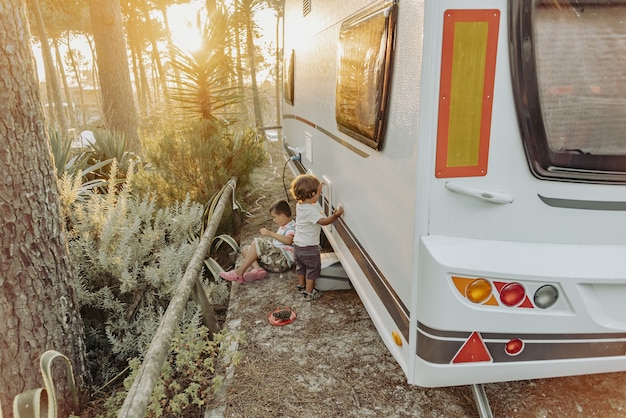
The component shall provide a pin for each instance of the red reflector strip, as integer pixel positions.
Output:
(474, 350)
(468, 66)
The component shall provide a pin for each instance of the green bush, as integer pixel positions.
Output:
(112, 146)
(129, 257)
(66, 158)
(188, 377)
(82, 169)
(198, 159)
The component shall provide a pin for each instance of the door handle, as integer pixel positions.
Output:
(486, 195)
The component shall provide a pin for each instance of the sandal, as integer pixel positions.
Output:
(301, 289)
(315, 294)
(231, 276)
(254, 274)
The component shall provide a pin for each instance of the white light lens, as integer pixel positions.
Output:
(546, 296)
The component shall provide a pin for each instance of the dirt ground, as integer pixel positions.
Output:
(330, 362)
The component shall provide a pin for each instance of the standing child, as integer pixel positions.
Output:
(272, 251)
(306, 189)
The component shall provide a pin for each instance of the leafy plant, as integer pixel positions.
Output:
(205, 87)
(110, 146)
(76, 179)
(128, 258)
(188, 378)
(69, 159)
(198, 159)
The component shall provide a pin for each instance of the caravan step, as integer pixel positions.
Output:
(333, 276)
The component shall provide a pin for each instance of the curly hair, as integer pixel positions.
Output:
(304, 187)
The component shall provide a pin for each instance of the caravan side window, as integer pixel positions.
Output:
(569, 72)
(364, 71)
(288, 77)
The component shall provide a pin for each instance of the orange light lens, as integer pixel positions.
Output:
(397, 338)
(478, 291)
(512, 294)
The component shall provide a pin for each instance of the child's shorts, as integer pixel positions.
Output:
(269, 256)
(308, 262)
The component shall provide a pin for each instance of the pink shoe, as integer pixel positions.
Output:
(254, 274)
(231, 276)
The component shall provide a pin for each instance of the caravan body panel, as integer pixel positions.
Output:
(417, 237)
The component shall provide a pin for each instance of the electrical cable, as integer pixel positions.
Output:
(284, 185)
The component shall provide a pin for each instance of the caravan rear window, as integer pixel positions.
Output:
(364, 71)
(569, 74)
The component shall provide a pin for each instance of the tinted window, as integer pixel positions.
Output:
(365, 52)
(288, 78)
(569, 72)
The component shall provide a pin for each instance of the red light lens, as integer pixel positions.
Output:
(512, 294)
(514, 347)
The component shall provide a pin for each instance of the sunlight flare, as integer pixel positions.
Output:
(185, 31)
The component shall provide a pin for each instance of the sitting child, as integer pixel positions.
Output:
(273, 251)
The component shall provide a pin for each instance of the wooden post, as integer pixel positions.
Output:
(208, 314)
(140, 392)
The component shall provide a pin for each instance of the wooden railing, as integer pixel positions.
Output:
(138, 397)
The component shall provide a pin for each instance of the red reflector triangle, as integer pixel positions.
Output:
(473, 350)
(499, 285)
(526, 304)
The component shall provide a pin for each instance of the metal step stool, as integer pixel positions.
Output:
(333, 276)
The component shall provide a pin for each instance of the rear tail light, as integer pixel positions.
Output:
(478, 291)
(503, 293)
(514, 347)
(512, 294)
(546, 296)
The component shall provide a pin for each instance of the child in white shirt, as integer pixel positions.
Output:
(306, 189)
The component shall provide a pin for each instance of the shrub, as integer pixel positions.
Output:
(198, 159)
(110, 146)
(188, 377)
(128, 258)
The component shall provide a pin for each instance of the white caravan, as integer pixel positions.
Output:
(478, 148)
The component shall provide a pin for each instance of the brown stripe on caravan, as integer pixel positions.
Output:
(335, 138)
(394, 306)
(440, 347)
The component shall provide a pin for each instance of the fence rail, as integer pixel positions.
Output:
(138, 397)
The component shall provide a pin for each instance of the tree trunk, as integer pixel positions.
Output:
(94, 76)
(142, 86)
(145, 84)
(66, 88)
(163, 9)
(141, 95)
(256, 99)
(240, 74)
(118, 105)
(155, 50)
(277, 70)
(79, 80)
(51, 77)
(38, 305)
